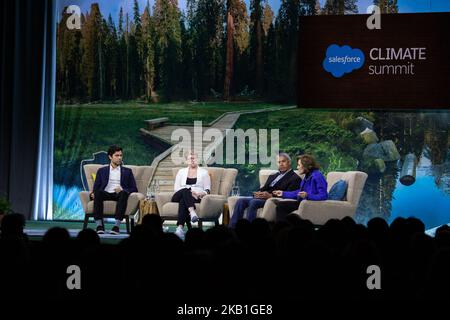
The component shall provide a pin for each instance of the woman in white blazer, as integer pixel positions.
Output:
(191, 185)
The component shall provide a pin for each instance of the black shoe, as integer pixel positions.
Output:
(100, 230)
(115, 230)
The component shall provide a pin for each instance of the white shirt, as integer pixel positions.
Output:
(114, 179)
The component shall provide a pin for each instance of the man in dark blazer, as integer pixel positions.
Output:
(112, 183)
(285, 178)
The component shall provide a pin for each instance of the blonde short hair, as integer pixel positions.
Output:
(190, 152)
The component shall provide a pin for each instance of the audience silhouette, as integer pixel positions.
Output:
(288, 260)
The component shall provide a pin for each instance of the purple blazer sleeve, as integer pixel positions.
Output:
(321, 187)
(290, 194)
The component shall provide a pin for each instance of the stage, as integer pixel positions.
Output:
(37, 229)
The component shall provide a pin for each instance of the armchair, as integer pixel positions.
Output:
(142, 175)
(319, 212)
(211, 206)
(268, 212)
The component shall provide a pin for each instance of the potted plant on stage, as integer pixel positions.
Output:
(5, 207)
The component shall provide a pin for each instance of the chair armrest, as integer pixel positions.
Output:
(84, 198)
(162, 198)
(133, 202)
(319, 212)
(269, 211)
(211, 206)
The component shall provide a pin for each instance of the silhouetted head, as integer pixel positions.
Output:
(88, 238)
(219, 236)
(56, 236)
(415, 225)
(143, 237)
(348, 221)
(279, 226)
(12, 225)
(334, 233)
(378, 228)
(444, 227)
(153, 221)
(397, 229)
(442, 237)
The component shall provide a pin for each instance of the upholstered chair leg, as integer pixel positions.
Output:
(85, 222)
(127, 221)
(132, 223)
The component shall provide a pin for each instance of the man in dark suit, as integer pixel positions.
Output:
(285, 178)
(112, 183)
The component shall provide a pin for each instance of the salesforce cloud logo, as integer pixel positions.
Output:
(342, 60)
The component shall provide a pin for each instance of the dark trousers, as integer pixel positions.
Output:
(121, 206)
(286, 207)
(185, 201)
(251, 204)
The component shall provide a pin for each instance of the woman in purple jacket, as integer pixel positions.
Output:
(312, 187)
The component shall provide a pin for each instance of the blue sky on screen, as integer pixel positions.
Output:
(113, 6)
